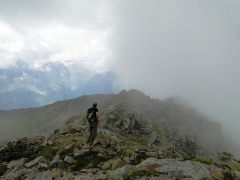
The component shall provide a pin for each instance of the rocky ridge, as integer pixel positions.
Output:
(138, 138)
(65, 155)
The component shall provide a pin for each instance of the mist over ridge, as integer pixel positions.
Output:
(185, 48)
(163, 48)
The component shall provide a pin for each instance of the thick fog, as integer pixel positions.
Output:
(185, 48)
(162, 48)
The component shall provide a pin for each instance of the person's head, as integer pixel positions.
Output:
(94, 104)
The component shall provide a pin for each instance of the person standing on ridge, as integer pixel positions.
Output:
(93, 117)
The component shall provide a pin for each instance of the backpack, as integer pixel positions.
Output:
(90, 115)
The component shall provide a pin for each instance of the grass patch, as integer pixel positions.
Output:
(158, 131)
(128, 152)
(64, 152)
(72, 119)
(71, 139)
(83, 160)
(124, 151)
(131, 174)
(140, 140)
(203, 160)
(48, 152)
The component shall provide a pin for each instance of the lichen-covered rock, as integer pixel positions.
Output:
(117, 164)
(78, 128)
(185, 170)
(224, 159)
(216, 173)
(118, 173)
(106, 166)
(177, 169)
(21, 148)
(56, 173)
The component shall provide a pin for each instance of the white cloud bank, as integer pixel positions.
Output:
(186, 48)
(55, 31)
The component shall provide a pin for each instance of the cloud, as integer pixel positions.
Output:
(163, 48)
(55, 31)
(185, 48)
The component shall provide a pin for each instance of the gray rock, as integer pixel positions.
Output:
(57, 163)
(148, 161)
(68, 159)
(43, 166)
(50, 142)
(69, 147)
(2, 148)
(80, 152)
(117, 164)
(152, 154)
(187, 169)
(35, 161)
(126, 160)
(27, 174)
(152, 139)
(132, 158)
(46, 175)
(17, 163)
(56, 173)
(162, 177)
(56, 157)
(174, 168)
(85, 178)
(118, 173)
(237, 174)
(101, 177)
(105, 166)
(44, 142)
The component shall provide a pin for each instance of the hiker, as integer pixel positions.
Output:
(92, 116)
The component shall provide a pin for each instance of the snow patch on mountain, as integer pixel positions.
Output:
(47, 82)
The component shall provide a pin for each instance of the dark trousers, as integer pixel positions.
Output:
(92, 130)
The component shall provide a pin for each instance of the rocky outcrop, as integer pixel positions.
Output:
(130, 145)
(74, 160)
(21, 148)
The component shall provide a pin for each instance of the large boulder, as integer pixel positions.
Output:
(118, 173)
(177, 169)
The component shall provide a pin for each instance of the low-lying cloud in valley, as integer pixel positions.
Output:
(163, 48)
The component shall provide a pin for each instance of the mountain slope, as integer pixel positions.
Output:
(43, 120)
(130, 114)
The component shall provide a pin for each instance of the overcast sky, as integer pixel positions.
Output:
(163, 48)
